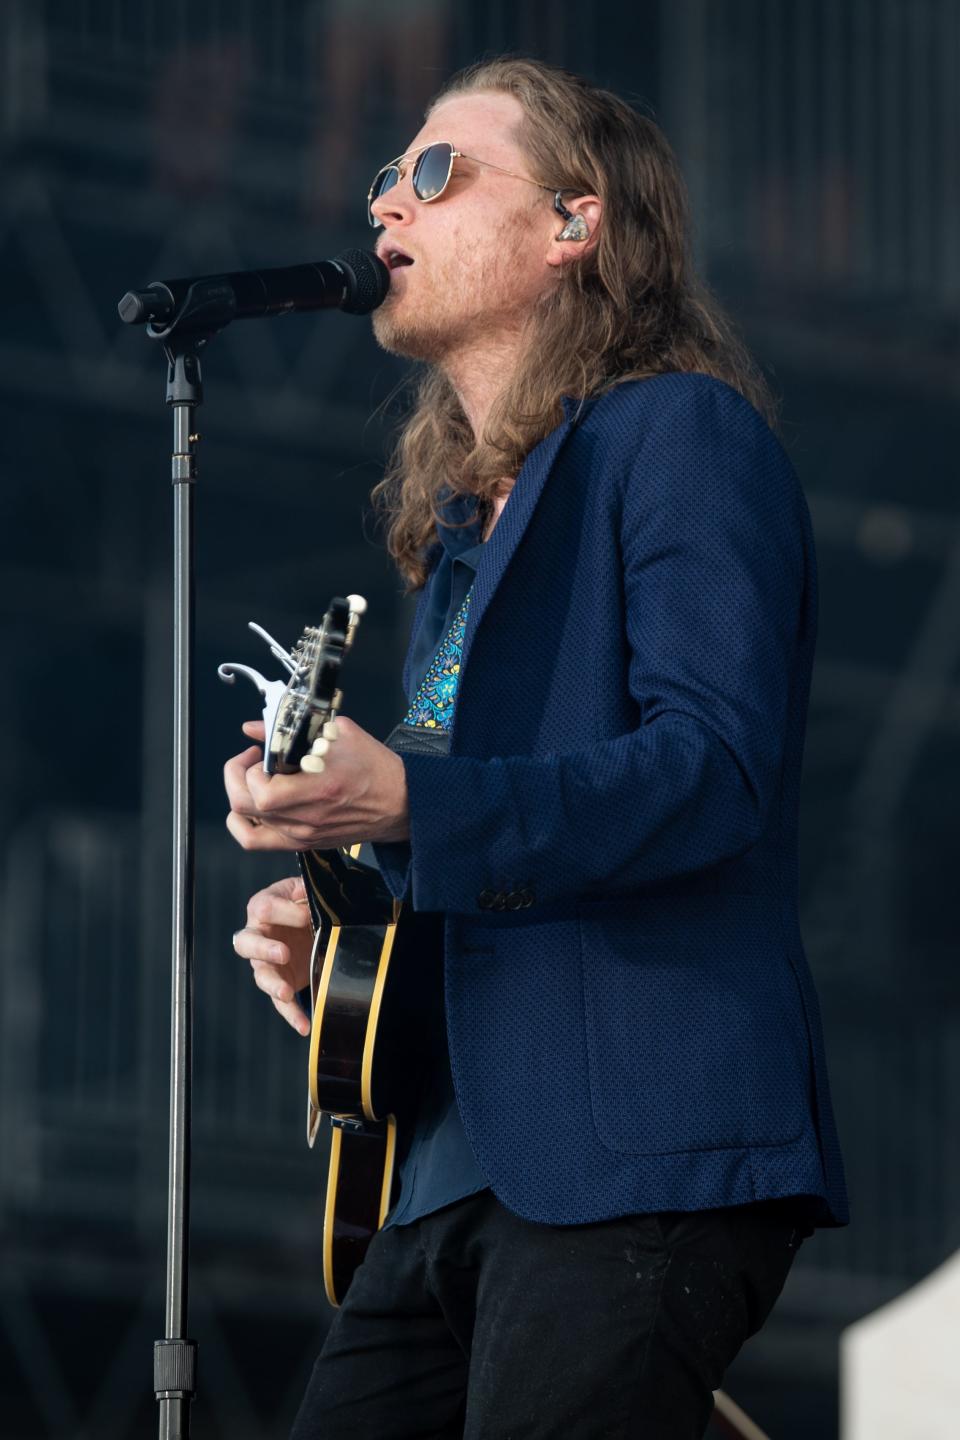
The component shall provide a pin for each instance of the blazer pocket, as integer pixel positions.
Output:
(695, 1033)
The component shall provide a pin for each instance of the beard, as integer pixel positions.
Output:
(447, 312)
(402, 327)
(465, 299)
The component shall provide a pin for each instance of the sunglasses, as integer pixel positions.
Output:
(431, 176)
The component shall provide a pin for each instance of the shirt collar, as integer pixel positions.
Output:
(459, 526)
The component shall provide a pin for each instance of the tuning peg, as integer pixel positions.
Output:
(336, 702)
(358, 607)
(312, 764)
(330, 731)
(320, 746)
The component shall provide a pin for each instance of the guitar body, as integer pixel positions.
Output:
(354, 1044)
(359, 1194)
(373, 986)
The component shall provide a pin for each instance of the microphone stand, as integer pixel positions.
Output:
(204, 312)
(202, 307)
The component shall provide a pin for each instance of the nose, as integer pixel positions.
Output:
(390, 211)
(395, 207)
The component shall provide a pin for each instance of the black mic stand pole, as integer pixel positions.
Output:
(175, 1357)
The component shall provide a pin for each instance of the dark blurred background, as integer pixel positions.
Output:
(819, 141)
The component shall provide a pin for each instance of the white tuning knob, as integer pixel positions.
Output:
(313, 765)
(320, 746)
(330, 731)
(358, 606)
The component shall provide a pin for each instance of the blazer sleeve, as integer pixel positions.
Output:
(714, 570)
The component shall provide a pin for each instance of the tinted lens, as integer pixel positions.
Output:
(383, 182)
(432, 170)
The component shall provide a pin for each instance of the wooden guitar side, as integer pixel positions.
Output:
(361, 1062)
(359, 1193)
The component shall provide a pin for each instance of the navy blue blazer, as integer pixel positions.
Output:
(613, 836)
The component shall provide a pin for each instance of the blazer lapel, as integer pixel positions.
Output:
(509, 529)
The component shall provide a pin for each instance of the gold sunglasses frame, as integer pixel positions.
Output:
(557, 191)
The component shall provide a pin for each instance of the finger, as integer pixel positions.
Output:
(265, 908)
(285, 794)
(291, 887)
(282, 994)
(304, 835)
(267, 978)
(253, 945)
(235, 778)
(255, 729)
(258, 837)
(294, 1015)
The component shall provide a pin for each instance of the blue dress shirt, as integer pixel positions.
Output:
(437, 1165)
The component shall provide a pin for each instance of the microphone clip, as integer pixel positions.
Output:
(207, 308)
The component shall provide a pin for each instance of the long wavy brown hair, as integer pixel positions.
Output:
(630, 308)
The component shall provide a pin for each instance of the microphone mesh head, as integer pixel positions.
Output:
(368, 281)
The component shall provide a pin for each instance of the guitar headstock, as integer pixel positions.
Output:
(295, 714)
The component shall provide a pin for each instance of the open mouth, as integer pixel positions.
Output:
(395, 258)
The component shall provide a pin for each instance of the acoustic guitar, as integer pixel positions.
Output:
(360, 1067)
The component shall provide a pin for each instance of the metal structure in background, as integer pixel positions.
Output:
(819, 145)
(818, 142)
(815, 138)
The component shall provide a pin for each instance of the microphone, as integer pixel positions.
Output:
(356, 281)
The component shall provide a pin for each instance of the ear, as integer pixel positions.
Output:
(564, 252)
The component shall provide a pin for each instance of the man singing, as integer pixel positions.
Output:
(627, 1127)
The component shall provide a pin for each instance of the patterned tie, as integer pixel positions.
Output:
(432, 707)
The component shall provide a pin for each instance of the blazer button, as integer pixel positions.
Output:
(515, 900)
(500, 901)
(527, 898)
(486, 899)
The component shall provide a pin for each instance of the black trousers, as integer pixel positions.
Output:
(473, 1323)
